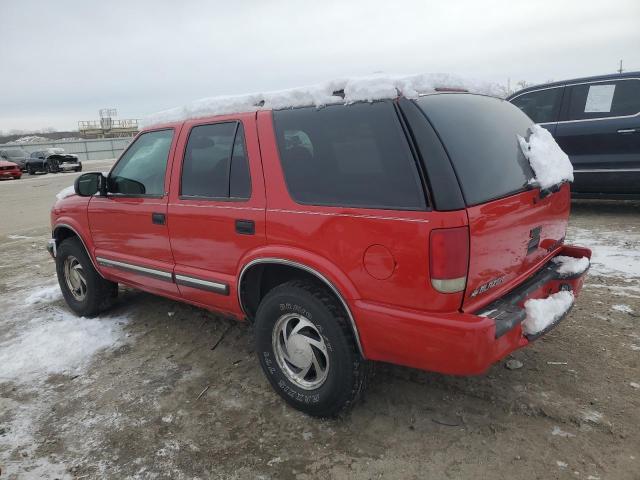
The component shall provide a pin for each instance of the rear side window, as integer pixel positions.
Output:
(352, 156)
(604, 99)
(215, 163)
(141, 170)
(481, 137)
(541, 106)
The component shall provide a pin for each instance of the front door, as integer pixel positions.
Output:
(129, 224)
(216, 212)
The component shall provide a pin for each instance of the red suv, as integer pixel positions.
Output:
(402, 230)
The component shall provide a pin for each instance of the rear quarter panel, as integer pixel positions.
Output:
(342, 235)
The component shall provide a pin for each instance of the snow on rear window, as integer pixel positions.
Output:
(371, 88)
(549, 163)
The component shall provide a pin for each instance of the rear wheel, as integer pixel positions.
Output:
(307, 349)
(31, 170)
(51, 167)
(84, 290)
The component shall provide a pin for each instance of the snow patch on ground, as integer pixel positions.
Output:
(370, 88)
(615, 254)
(58, 343)
(570, 266)
(622, 308)
(44, 295)
(18, 237)
(558, 432)
(550, 164)
(543, 312)
(31, 139)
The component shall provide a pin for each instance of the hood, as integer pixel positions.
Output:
(4, 163)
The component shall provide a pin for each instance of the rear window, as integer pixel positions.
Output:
(352, 156)
(481, 137)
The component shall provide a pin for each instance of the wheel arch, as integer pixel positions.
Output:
(62, 231)
(249, 286)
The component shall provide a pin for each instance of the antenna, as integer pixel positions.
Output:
(620, 70)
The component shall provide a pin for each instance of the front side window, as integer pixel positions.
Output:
(604, 99)
(348, 155)
(541, 106)
(141, 170)
(215, 163)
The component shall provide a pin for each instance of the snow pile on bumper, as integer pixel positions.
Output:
(544, 312)
(570, 266)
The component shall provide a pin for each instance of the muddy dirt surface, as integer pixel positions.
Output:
(141, 392)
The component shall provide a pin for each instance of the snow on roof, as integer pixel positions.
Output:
(340, 91)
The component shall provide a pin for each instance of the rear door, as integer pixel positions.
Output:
(216, 212)
(128, 226)
(512, 231)
(600, 132)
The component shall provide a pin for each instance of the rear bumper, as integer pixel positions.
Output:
(461, 343)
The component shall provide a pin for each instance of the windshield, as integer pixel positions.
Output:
(480, 134)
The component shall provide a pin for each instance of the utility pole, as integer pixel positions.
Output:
(620, 69)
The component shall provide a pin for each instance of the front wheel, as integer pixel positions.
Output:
(84, 290)
(307, 349)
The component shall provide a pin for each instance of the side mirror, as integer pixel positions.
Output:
(88, 184)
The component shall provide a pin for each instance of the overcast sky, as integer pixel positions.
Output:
(61, 61)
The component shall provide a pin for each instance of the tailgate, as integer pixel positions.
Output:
(510, 239)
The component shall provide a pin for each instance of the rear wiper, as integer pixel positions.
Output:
(545, 192)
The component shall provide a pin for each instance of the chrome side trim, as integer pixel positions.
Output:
(93, 262)
(194, 282)
(152, 272)
(307, 269)
(581, 83)
(348, 215)
(607, 170)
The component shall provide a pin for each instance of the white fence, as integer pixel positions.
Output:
(97, 149)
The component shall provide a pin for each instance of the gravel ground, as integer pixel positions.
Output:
(148, 396)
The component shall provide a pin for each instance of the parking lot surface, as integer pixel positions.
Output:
(158, 389)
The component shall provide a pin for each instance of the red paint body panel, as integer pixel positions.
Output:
(454, 343)
(399, 316)
(203, 235)
(9, 170)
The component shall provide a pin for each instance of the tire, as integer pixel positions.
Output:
(31, 171)
(50, 168)
(79, 169)
(320, 321)
(97, 295)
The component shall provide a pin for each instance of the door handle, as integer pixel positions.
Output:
(158, 218)
(245, 227)
(627, 130)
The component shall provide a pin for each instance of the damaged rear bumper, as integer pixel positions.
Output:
(508, 311)
(461, 343)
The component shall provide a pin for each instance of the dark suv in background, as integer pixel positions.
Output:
(596, 121)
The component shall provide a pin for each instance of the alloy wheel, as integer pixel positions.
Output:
(75, 278)
(300, 351)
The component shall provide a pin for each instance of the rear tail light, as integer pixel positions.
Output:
(449, 259)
